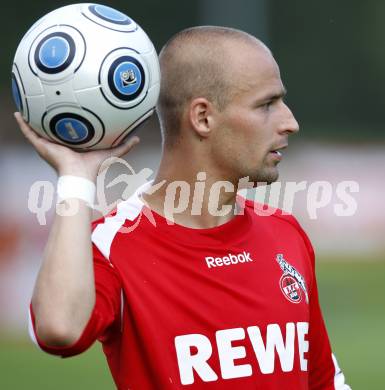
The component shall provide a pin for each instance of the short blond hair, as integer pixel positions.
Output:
(194, 64)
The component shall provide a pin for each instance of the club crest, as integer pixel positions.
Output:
(292, 283)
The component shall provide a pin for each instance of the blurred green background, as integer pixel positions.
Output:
(332, 58)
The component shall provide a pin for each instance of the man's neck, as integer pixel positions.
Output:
(193, 198)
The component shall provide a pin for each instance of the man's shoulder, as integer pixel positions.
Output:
(273, 214)
(267, 211)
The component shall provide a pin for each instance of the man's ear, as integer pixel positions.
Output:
(201, 116)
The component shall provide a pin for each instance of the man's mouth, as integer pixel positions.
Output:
(277, 152)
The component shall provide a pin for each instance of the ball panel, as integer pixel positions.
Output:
(108, 17)
(77, 127)
(126, 78)
(109, 14)
(16, 94)
(55, 53)
(71, 128)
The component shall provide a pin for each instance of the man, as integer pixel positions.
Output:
(216, 299)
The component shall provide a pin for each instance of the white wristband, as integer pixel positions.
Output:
(70, 187)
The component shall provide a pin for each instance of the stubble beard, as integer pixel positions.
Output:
(265, 177)
(267, 174)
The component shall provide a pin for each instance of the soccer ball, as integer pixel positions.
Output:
(85, 75)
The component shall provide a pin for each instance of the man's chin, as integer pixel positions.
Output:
(267, 177)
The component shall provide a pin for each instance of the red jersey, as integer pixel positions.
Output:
(234, 306)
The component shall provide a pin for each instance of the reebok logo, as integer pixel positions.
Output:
(230, 259)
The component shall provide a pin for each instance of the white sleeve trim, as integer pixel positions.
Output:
(104, 233)
(339, 377)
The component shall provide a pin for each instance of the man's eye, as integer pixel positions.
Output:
(267, 105)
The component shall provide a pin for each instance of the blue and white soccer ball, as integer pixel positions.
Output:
(85, 75)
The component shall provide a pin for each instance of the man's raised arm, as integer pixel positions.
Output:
(64, 293)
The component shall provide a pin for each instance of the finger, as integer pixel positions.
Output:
(26, 129)
(41, 145)
(124, 148)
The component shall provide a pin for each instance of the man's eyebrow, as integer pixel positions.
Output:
(274, 96)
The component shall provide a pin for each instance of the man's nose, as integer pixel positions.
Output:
(289, 124)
